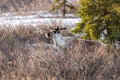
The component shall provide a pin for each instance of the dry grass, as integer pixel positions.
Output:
(26, 54)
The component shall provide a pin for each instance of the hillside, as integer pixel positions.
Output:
(28, 5)
(26, 54)
(24, 5)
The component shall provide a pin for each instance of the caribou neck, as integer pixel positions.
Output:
(59, 39)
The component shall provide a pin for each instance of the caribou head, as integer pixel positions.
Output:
(60, 40)
(54, 32)
(56, 36)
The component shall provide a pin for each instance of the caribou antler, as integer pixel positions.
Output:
(63, 28)
(60, 28)
(57, 29)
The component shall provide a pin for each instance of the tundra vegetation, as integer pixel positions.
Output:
(27, 54)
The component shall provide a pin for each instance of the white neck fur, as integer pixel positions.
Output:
(59, 40)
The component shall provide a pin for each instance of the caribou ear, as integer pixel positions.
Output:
(47, 35)
(51, 29)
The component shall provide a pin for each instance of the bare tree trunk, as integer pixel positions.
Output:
(64, 10)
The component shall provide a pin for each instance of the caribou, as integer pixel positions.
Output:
(60, 40)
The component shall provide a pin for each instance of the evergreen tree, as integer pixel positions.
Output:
(64, 6)
(100, 20)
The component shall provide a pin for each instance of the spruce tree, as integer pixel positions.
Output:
(64, 6)
(100, 20)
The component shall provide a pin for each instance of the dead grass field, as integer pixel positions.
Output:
(26, 54)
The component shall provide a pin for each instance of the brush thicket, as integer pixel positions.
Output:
(26, 54)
